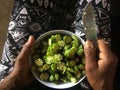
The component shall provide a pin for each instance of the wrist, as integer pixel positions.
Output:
(16, 80)
(10, 82)
(103, 87)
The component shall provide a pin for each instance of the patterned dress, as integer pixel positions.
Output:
(35, 17)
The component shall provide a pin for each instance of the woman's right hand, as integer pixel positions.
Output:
(100, 73)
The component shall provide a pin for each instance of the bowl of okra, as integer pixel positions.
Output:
(57, 59)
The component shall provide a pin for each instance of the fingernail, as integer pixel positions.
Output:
(30, 38)
(89, 44)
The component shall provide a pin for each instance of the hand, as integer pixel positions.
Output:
(21, 75)
(100, 73)
(21, 68)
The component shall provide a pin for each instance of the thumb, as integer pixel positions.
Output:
(26, 48)
(90, 55)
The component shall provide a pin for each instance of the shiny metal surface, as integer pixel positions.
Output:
(89, 23)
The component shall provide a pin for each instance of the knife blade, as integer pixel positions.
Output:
(89, 23)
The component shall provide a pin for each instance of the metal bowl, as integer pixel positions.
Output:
(49, 84)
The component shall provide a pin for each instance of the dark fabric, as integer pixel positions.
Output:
(115, 24)
(39, 16)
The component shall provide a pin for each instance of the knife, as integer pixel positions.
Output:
(89, 23)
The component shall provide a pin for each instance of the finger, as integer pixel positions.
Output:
(104, 49)
(103, 46)
(106, 55)
(26, 48)
(90, 55)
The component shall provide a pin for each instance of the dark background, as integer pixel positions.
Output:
(115, 36)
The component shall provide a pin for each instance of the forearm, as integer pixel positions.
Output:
(103, 86)
(10, 83)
